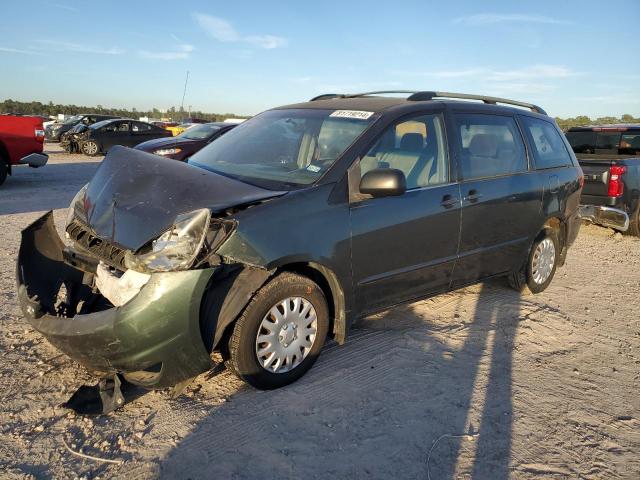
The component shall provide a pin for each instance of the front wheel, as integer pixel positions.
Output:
(90, 148)
(541, 265)
(280, 334)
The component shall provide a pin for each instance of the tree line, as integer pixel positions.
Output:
(49, 109)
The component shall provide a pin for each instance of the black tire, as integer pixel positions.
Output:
(634, 222)
(4, 169)
(243, 359)
(90, 148)
(524, 280)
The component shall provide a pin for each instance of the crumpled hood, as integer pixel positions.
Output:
(135, 196)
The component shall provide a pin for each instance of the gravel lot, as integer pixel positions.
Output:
(478, 383)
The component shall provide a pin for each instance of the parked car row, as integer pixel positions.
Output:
(290, 226)
(55, 130)
(98, 138)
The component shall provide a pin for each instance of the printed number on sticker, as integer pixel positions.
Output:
(357, 114)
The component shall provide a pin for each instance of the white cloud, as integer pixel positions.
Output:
(17, 50)
(223, 31)
(181, 52)
(483, 19)
(64, 7)
(78, 47)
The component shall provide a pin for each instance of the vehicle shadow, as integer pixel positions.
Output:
(419, 391)
(46, 188)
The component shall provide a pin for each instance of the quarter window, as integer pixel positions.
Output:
(491, 146)
(141, 127)
(548, 148)
(416, 147)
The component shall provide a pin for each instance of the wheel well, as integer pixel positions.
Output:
(332, 291)
(4, 155)
(555, 224)
(560, 228)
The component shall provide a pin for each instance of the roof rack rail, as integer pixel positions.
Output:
(420, 96)
(417, 96)
(328, 96)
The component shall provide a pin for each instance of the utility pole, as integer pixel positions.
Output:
(186, 80)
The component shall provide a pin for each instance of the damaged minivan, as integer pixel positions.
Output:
(298, 221)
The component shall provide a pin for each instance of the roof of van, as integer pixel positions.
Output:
(377, 103)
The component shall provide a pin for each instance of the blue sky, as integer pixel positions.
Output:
(571, 57)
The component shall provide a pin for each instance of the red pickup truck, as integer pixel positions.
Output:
(21, 143)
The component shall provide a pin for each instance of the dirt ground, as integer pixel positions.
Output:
(480, 383)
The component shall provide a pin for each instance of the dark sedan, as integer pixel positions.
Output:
(188, 142)
(101, 136)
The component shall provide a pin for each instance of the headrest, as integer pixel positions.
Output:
(484, 145)
(412, 142)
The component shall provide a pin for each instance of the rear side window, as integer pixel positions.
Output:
(630, 143)
(549, 150)
(491, 146)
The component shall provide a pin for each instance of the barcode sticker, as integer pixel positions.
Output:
(357, 114)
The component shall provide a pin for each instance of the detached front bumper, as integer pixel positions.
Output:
(605, 216)
(35, 160)
(154, 339)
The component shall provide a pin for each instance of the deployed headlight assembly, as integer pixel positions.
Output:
(175, 249)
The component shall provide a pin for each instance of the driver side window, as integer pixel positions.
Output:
(416, 147)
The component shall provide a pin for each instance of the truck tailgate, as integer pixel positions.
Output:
(596, 177)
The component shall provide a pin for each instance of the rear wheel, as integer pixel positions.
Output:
(281, 332)
(634, 222)
(541, 265)
(4, 170)
(90, 148)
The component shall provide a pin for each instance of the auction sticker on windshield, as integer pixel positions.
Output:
(357, 114)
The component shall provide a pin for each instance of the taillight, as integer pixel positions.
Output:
(616, 187)
(39, 133)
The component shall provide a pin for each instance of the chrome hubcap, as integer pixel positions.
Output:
(90, 148)
(543, 261)
(286, 335)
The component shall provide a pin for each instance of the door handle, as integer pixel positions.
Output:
(448, 201)
(473, 196)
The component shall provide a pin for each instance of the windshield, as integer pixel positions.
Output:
(74, 119)
(199, 132)
(284, 148)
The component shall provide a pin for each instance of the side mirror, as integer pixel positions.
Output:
(383, 182)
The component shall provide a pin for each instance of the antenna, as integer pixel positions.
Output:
(186, 80)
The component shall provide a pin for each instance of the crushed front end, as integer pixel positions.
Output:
(153, 339)
(140, 290)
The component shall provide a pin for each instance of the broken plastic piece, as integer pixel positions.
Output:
(103, 398)
(119, 290)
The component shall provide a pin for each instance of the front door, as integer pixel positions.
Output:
(404, 247)
(116, 133)
(501, 197)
